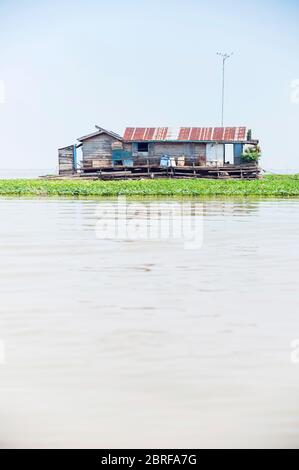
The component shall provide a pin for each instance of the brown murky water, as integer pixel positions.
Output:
(114, 343)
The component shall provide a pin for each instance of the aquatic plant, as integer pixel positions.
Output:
(270, 185)
(251, 154)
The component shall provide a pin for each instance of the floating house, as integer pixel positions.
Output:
(195, 151)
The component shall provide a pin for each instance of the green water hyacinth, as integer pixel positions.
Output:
(270, 185)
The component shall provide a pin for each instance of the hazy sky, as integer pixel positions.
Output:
(68, 65)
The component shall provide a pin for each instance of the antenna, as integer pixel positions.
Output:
(224, 57)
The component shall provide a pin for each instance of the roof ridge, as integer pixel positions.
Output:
(99, 131)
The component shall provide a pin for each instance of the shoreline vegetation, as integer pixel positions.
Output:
(269, 185)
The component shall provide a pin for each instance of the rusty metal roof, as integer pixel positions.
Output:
(193, 134)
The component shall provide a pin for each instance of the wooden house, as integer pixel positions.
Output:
(157, 149)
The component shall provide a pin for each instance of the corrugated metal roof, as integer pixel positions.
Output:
(234, 134)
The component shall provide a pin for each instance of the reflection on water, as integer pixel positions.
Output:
(110, 343)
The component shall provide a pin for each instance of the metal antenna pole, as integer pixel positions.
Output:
(224, 57)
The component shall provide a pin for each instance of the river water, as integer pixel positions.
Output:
(114, 343)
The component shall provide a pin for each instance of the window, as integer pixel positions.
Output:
(142, 147)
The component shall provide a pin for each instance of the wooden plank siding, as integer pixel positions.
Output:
(193, 152)
(97, 151)
(66, 160)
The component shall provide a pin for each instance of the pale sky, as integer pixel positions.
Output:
(68, 65)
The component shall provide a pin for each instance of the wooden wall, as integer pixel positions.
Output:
(97, 151)
(193, 152)
(66, 160)
(200, 153)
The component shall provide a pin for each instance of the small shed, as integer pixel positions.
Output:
(97, 148)
(67, 160)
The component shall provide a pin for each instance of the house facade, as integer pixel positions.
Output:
(156, 147)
